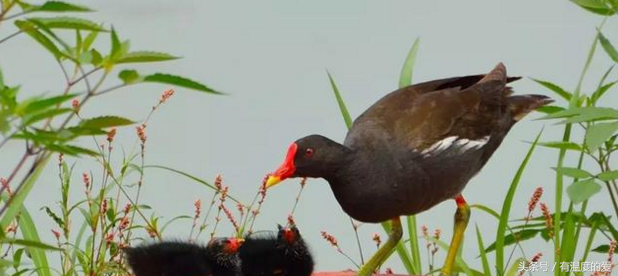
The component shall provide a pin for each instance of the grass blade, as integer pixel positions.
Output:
(405, 79)
(506, 208)
(14, 206)
(416, 255)
(407, 70)
(194, 178)
(30, 233)
(514, 269)
(484, 261)
(344, 111)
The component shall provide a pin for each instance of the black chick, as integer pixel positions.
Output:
(286, 254)
(175, 258)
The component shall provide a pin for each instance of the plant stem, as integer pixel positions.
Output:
(17, 168)
(358, 243)
(10, 36)
(5, 10)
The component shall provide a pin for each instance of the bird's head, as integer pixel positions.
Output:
(226, 245)
(311, 156)
(290, 235)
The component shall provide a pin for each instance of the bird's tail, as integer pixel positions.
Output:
(520, 106)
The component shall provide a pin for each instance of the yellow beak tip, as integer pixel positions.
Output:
(272, 181)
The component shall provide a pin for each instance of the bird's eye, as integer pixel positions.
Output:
(308, 153)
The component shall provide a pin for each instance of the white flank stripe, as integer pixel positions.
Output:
(461, 145)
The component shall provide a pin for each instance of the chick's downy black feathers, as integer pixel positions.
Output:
(281, 254)
(175, 258)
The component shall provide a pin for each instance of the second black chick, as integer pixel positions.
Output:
(175, 258)
(283, 254)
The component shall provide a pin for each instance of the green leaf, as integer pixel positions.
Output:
(589, 114)
(555, 88)
(506, 208)
(29, 119)
(583, 190)
(481, 247)
(550, 109)
(514, 269)
(17, 201)
(179, 81)
(581, 114)
(82, 131)
(54, 217)
(601, 249)
(30, 29)
(1, 81)
(194, 178)
(41, 104)
(414, 246)
(72, 23)
(609, 48)
(405, 77)
(116, 45)
(574, 172)
(594, 6)
(105, 121)
(57, 6)
(96, 57)
(71, 150)
(601, 91)
(128, 76)
(90, 38)
(145, 56)
(29, 232)
(17, 257)
(598, 133)
(28, 243)
(172, 220)
(561, 145)
(608, 175)
(603, 220)
(344, 111)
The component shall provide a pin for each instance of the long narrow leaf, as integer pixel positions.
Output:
(29, 232)
(179, 81)
(194, 178)
(481, 246)
(407, 70)
(14, 206)
(506, 208)
(414, 247)
(609, 48)
(344, 110)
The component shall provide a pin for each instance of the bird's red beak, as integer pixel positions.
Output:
(234, 244)
(289, 235)
(286, 169)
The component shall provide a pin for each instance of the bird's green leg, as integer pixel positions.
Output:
(462, 216)
(385, 250)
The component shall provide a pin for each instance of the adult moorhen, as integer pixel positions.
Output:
(176, 258)
(414, 148)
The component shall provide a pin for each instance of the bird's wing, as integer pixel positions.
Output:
(418, 117)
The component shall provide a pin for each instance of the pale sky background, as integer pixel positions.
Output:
(271, 58)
